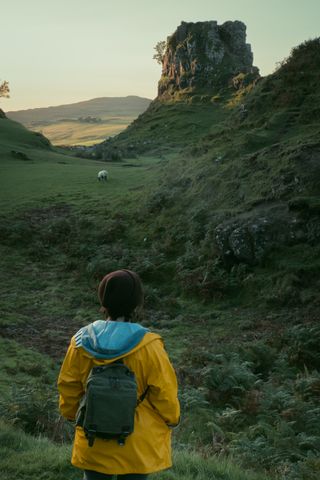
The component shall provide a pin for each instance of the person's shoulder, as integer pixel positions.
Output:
(149, 342)
(152, 343)
(151, 338)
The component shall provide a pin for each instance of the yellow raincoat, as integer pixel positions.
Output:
(148, 448)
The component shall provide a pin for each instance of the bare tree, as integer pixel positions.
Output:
(160, 49)
(4, 89)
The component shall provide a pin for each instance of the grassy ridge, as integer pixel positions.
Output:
(14, 135)
(168, 126)
(60, 231)
(97, 107)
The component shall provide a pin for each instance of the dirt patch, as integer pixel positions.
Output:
(38, 216)
(48, 336)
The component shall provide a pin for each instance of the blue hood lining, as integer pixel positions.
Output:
(106, 339)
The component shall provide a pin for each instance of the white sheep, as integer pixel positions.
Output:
(103, 176)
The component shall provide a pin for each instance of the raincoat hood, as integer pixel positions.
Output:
(107, 339)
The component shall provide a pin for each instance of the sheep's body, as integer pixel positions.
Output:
(103, 176)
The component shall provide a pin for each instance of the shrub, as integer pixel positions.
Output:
(59, 231)
(34, 409)
(228, 379)
(206, 279)
(193, 398)
(18, 232)
(303, 345)
(261, 356)
(100, 265)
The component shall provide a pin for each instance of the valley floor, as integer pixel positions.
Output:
(61, 230)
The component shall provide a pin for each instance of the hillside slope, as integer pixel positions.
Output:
(97, 107)
(203, 65)
(250, 186)
(232, 237)
(15, 136)
(55, 219)
(84, 122)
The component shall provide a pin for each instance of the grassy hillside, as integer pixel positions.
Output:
(251, 185)
(130, 105)
(60, 229)
(83, 123)
(224, 231)
(15, 136)
(167, 126)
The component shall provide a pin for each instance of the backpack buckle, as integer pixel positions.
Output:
(91, 434)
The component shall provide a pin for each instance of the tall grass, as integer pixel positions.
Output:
(27, 458)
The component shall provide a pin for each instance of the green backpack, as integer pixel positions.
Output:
(108, 407)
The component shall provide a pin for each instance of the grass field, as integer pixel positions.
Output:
(80, 133)
(49, 178)
(83, 123)
(60, 197)
(60, 232)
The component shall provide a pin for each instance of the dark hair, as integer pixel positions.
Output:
(120, 292)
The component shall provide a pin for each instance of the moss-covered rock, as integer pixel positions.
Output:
(205, 55)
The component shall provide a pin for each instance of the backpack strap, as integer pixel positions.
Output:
(143, 396)
(119, 360)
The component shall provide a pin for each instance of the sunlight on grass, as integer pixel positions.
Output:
(76, 133)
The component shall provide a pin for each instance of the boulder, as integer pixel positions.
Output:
(249, 240)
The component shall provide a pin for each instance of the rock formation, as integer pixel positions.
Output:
(249, 239)
(205, 55)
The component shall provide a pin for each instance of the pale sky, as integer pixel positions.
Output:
(55, 52)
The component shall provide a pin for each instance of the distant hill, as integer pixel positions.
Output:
(84, 122)
(16, 140)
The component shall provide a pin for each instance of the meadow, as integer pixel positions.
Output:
(61, 230)
(73, 132)
(55, 217)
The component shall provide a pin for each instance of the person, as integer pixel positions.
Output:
(148, 448)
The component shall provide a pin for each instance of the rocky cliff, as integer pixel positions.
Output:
(205, 55)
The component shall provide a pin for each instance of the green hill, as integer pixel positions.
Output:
(42, 192)
(220, 217)
(84, 122)
(14, 135)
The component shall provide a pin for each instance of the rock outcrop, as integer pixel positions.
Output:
(205, 55)
(2, 114)
(250, 239)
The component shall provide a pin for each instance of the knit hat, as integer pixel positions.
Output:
(120, 292)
